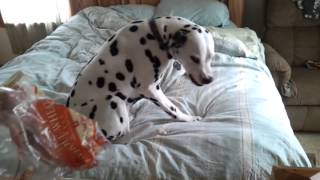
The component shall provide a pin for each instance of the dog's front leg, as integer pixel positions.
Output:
(160, 99)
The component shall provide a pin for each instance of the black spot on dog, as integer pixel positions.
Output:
(143, 41)
(93, 112)
(158, 87)
(84, 104)
(106, 71)
(199, 30)
(91, 100)
(101, 62)
(112, 87)
(68, 102)
(179, 19)
(157, 17)
(110, 138)
(113, 105)
(121, 96)
(135, 22)
(155, 62)
(157, 104)
(195, 59)
(129, 65)
(168, 17)
(133, 28)
(120, 76)
(187, 25)
(104, 132)
(130, 100)
(119, 134)
(73, 92)
(169, 55)
(156, 70)
(133, 83)
(113, 48)
(207, 31)
(110, 39)
(100, 82)
(153, 99)
(148, 54)
(194, 28)
(177, 65)
(165, 28)
(169, 113)
(90, 82)
(121, 120)
(150, 36)
(173, 109)
(108, 97)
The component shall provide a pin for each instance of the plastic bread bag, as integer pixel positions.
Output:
(47, 132)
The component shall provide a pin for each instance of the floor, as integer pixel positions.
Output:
(311, 144)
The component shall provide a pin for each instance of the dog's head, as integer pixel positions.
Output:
(193, 47)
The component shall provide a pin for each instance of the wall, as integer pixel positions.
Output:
(5, 47)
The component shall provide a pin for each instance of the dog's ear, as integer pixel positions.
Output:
(179, 38)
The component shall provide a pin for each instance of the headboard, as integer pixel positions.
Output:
(235, 6)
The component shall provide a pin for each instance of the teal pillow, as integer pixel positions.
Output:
(136, 11)
(202, 12)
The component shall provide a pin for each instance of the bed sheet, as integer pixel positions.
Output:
(244, 131)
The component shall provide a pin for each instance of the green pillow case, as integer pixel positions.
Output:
(136, 11)
(202, 12)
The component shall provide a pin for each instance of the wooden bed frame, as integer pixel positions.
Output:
(235, 6)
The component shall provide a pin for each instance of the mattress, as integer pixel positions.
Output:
(244, 131)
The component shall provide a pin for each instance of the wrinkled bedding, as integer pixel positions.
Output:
(244, 131)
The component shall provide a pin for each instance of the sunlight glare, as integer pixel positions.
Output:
(34, 11)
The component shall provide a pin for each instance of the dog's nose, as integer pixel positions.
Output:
(207, 80)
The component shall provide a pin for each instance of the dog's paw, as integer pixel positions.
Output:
(196, 118)
(190, 118)
(113, 134)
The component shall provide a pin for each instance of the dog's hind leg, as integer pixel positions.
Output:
(112, 117)
(160, 99)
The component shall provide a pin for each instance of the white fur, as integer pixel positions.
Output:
(86, 95)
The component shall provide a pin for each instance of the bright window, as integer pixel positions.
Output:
(34, 11)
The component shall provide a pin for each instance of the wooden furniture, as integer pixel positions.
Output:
(235, 6)
(290, 173)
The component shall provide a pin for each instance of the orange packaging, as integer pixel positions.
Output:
(58, 135)
(71, 139)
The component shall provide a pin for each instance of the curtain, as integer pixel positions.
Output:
(28, 21)
(1, 21)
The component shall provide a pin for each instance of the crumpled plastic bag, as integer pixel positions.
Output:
(47, 132)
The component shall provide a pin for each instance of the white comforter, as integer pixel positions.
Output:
(244, 132)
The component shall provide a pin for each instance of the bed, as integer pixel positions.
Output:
(245, 129)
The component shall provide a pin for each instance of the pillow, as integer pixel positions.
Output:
(136, 11)
(202, 12)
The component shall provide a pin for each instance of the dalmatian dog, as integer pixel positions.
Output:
(130, 65)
